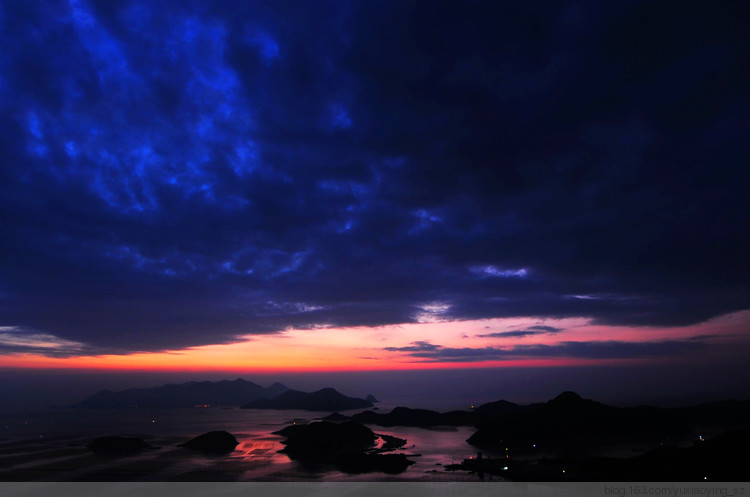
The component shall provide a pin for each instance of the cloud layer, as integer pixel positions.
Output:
(610, 349)
(175, 174)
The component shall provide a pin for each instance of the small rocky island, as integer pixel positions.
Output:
(118, 446)
(349, 446)
(217, 442)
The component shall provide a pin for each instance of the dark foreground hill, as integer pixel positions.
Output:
(192, 394)
(326, 399)
(569, 419)
(723, 458)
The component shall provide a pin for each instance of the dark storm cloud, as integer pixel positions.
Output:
(585, 350)
(176, 174)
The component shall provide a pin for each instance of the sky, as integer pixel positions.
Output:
(370, 186)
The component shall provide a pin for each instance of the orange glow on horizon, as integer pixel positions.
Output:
(153, 362)
(387, 347)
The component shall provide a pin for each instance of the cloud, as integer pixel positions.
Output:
(500, 273)
(509, 334)
(167, 170)
(581, 350)
(532, 330)
(548, 329)
(16, 340)
(419, 346)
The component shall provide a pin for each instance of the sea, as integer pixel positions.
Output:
(50, 445)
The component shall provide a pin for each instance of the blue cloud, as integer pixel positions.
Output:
(168, 168)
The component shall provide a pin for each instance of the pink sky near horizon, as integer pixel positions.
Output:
(364, 348)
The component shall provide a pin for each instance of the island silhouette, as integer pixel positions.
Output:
(190, 394)
(325, 399)
(566, 438)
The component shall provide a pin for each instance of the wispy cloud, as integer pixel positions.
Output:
(17, 340)
(581, 350)
(494, 271)
(511, 334)
(419, 346)
(529, 331)
(548, 329)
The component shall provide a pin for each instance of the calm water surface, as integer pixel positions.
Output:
(49, 445)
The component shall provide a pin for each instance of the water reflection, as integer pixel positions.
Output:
(61, 454)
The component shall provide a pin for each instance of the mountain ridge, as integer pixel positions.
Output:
(325, 399)
(177, 395)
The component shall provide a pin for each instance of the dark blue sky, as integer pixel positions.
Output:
(175, 174)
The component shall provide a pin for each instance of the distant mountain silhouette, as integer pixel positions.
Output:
(497, 407)
(326, 399)
(404, 416)
(192, 394)
(371, 398)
